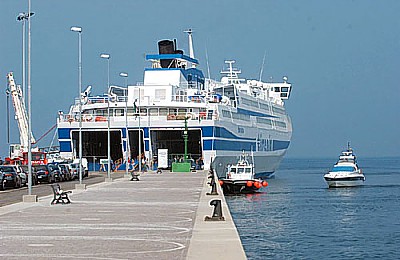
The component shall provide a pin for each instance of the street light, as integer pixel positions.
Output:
(140, 136)
(127, 150)
(22, 17)
(79, 31)
(29, 106)
(107, 57)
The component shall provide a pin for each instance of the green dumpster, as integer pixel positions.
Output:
(180, 167)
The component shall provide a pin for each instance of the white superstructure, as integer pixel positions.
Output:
(223, 117)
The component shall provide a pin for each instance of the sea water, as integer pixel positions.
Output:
(298, 217)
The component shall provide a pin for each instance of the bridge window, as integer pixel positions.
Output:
(153, 111)
(182, 111)
(226, 113)
(119, 112)
(163, 111)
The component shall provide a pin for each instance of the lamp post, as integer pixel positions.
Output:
(107, 57)
(140, 136)
(29, 107)
(22, 17)
(137, 107)
(79, 31)
(127, 150)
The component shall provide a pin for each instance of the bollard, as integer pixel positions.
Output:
(135, 176)
(211, 173)
(213, 188)
(217, 213)
(212, 177)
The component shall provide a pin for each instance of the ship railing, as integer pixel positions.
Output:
(200, 115)
(92, 100)
(97, 100)
(189, 99)
(85, 118)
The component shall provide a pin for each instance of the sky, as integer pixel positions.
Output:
(342, 57)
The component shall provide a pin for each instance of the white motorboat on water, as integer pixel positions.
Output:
(345, 173)
(239, 178)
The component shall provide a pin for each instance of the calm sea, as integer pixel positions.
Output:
(298, 217)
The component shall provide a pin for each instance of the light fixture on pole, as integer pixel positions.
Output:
(107, 57)
(127, 148)
(79, 31)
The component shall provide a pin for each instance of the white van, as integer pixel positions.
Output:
(84, 164)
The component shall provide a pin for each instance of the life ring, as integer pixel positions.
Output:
(69, 118)
(87, 118)
(203, 115)
(100, 119)
(171, 117)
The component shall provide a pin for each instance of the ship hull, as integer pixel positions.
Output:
(344, 183)
(166, 134)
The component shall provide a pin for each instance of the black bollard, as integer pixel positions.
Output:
(213, 188)
(135, 176)
(212, 177)
(211, 173)
(217, 213)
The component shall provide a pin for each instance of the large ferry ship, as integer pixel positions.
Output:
(223, 118)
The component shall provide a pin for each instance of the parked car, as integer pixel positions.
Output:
(1, 181)
(34, 174)
(65, 171)
(21, 173)
(10, 177)
(75, 171)
(56, 170)
(44, 173)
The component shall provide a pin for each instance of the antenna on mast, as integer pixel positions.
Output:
(262, 66)
(208, 66)
(191, 51)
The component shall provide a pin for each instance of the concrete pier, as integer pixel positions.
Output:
(159, 217)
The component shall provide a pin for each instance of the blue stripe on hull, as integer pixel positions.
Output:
(65, 146)
(64, 133)
(207, 145)
(279, 145)
(236, 145)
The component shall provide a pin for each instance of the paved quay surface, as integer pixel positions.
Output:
(159, 217)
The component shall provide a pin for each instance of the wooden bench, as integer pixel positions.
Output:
(135, 176)
(60, 196)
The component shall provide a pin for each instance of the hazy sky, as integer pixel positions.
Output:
(342, 57)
